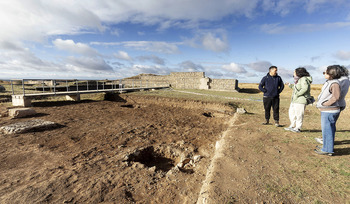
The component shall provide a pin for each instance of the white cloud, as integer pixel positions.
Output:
(277, 28)
(314, 58)
(153, 46)
(71, 46)
(213, 40)
(286, 7)
(234, 68)
(148, 69)
(156, 11)
(309, 67)
(273, 28)
(189, 66)
(152, 58)
(286, 74)
(11, 46)
(88, 64)
(260, 66)
(281, 7)
(122, 55)
(15, 57)
(35, 20)
(25, 22)
(313, 5)
(150, 46)
(214, 43)
(343, 55)
(116, 32)
(20, 62)
(40, 19)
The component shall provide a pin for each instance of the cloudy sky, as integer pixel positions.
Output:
(113, 39)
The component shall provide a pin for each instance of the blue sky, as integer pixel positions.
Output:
(113, 39)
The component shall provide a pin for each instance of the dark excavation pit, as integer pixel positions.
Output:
(150, 158)
(209, 115)
(127, 106)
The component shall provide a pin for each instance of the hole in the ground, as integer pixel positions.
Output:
(127, 106)
(150, 158)
(209, 115)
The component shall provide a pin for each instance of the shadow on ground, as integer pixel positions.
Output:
(341, 151)
(250, 91)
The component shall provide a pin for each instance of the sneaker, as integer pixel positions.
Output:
(266, 123)
(278, 125)
(319, 140)
(320, 152)
(288, 128)
(318, 147)
(295, 130)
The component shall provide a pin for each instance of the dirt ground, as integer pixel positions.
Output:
(144, 149)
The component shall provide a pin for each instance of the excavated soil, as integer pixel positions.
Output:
(143, 149)
(130, 150)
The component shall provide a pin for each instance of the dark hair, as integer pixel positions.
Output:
(344, 71)
(301, 72)
(272, 67)
(334, 71)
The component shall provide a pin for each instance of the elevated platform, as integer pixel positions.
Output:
(25, 99)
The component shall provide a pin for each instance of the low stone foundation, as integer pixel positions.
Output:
(28, 126)
(21, 112)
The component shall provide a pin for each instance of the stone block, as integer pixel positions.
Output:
(204, 83)
(21, 112)
(28, 126)
(241, 111)
(20, 100)
(75, 97)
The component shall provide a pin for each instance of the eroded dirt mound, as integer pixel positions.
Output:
(137, 151)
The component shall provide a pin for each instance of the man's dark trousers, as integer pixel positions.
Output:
(275, 104)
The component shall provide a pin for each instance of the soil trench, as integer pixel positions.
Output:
(205, 195)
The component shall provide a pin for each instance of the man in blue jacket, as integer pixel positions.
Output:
(272, 85)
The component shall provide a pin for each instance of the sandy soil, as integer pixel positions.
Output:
(143, 150)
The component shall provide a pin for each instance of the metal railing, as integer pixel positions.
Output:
(53, 86)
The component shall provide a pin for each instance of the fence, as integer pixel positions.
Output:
(36, 86)
(20, 92)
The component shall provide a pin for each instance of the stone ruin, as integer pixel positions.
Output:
(28, 126)
(184, 80)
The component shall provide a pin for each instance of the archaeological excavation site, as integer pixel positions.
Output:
(193, 140)
(136, 149)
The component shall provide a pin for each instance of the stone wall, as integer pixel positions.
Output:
(224, 84)
(182, 80)
(145, 82)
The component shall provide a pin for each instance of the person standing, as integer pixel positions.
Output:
(301, 91)
(344, 88)
(328, 104)
(271, 85)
